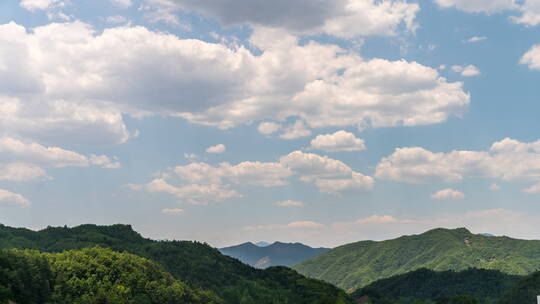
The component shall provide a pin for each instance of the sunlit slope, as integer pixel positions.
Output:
(358, 264)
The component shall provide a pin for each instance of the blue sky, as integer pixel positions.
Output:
(324, 122)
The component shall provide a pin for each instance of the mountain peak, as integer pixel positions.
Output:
(357, 264)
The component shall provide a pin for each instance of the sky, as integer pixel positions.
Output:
(315, 121)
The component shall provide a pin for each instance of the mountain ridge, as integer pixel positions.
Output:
(195, 263)
(355, 265)
(275, 254)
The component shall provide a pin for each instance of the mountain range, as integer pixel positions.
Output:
(276, 254)
(356, 265)
(197, 265)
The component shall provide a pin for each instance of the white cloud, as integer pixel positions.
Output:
(476, 39)
(33, 5)
(17, 150)
(290, 203)
(448, 194)
(82, 95)
(172, 211)
(339, 141)
(217, 149)
(530, 13)
(508, 159)
(123, 3)
(191, 194)
(466, 71)
(534, 189)
(357, 182)
(532, 58)
(245, 173)
(206, 183)
(479, 6)
(268, 127)
(21, 172)
(342, 18)
(7, 197)
(329, 175)
(296, 130)
(256, 174)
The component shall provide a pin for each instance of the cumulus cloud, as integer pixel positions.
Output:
(479, 6)
(290, 203)
(296, 130)
(268, 127)
(341, 18)
(14, 149)
(339, 141)
(8, 197)
(202, 183)
(532, 58)
(448, 194)
(191, 194)
(529, 9)
(217, 149)
(466, 71)
(22, 172)
(245, 173)
(530, 13)
(329, 175)
(507, 159)
(33, 5)
(172, 211)
(79, 91)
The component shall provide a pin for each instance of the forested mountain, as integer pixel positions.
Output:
(197, 264)
(486, 286)
(524, 292)
(355, 265)
(276, 254)
(92, 275)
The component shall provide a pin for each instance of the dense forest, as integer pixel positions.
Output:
(198, 265)
(92, 275)
(356, 265)
(485, 286)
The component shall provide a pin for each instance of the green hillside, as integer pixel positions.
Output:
(197, 264)
(355, 265)
(92, 275)
(487, 286)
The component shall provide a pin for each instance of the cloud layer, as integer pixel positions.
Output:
(508, 159)
(341, 18)
(80, 91)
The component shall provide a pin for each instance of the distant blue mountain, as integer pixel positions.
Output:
(276, 254)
